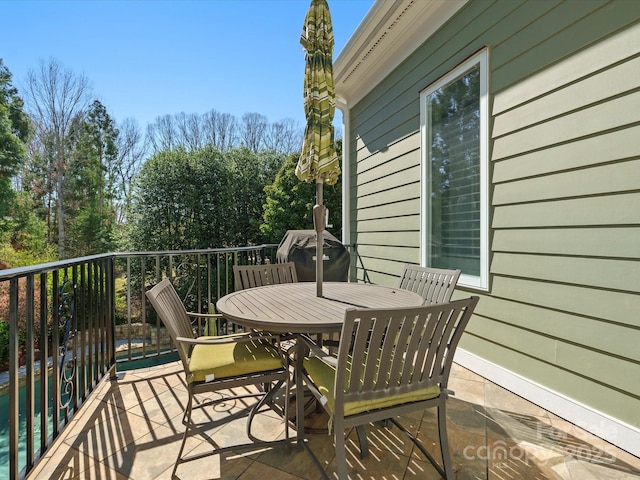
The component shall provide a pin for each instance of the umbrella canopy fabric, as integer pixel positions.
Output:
(318, 161)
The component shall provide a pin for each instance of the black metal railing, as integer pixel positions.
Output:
(199, 276)
(74, 322)
(60, 330)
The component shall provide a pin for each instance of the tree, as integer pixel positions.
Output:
(56, 96)
(224, 132)
(28, 230)
(290, 202)
(163, 134)
(131, 151)
(90, 184)
(284, 136)
(191, 131)
(38, 177)
(201, 199)
(252, 133)
(14, 131)
(249, 173)
(178, 201)
(221, 130)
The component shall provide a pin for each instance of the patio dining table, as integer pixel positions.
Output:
(295, 308)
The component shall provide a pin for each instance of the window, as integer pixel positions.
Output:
(454, 138)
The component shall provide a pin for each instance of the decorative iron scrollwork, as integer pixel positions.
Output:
(68, 348)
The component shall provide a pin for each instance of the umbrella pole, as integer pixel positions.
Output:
(319, 223)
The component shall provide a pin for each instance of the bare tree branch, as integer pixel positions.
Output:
(131, 152)
(55, 96)
(254, 127)
(284, 137)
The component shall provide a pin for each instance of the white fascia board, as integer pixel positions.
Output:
(389, 33)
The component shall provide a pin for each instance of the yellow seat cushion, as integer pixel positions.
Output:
(209, 362)
(324, 375)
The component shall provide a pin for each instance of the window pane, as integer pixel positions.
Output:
(454, 157)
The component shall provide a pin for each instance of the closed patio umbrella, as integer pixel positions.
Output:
(318, 161)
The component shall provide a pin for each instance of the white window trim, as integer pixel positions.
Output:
(481, 58)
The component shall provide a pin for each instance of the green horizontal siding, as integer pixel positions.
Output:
(587, 332)
(389, 224)
(599, 180)
(405, 254)
(616, 113)
(382, 209)
(589, 90)
(392, 179)
(570, 156)
(388, 196)
(400, 239)
(608, 242)
(605, 273)
(564, 295)
(610, 210)
(608, 306)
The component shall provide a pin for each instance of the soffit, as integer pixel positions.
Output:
(391, 30)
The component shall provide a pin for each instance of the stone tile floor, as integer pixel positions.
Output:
(131, 429)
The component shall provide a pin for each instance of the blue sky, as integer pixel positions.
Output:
(147, 58)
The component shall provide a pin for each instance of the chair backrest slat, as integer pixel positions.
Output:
(392, 351)
(393, 337)
(405, 338)
(435, 285)
(358, 355)
(249, 276)
(166, 302)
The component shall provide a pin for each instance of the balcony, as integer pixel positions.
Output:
(131, 428)
(114, 392)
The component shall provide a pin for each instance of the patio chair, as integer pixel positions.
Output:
(390, 362)
(249, 276)
(436, 285)
(214, 364)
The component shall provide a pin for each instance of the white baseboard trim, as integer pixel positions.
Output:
(608, 428)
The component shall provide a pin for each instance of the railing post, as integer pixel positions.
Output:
(44, 357)
(14, 413)
(93, 327)
(55, 352)
(76, 330)
(30, 383)
(111, 308)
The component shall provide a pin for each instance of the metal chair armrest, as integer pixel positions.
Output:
(316, 351)
(232, 338)
(205, 315)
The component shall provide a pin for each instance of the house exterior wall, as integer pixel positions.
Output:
(563, 306)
